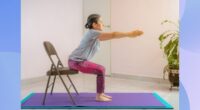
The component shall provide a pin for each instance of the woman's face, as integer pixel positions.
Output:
(99, 25)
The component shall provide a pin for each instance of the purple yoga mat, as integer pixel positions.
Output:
(88, 99)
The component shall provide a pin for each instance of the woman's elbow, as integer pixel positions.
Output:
(104, 38)
(101, 39)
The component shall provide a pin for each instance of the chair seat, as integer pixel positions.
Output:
(63, 71)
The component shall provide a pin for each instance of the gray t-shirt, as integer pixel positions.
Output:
(88, 46)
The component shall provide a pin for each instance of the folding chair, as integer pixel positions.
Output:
(57, 69)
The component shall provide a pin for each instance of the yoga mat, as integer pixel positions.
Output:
(87, 101)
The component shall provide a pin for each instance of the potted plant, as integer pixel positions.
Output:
(169, 42)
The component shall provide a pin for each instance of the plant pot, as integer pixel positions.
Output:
(174, 78)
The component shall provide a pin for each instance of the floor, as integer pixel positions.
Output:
(87, 83)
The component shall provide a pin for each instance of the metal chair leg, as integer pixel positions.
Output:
(53, 84)
(67, 90)
(72, 84)
(47, 86)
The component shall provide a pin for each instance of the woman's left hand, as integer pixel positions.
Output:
(135, 33)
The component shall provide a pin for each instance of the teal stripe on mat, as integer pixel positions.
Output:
(163, 101)
(26, 98)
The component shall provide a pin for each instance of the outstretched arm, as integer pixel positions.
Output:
(117, 35)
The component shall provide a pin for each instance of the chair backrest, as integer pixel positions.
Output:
(52, 51)
(49, 48)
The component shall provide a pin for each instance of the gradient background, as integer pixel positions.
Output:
(10, 54)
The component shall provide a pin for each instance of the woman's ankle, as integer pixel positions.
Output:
(99, 94)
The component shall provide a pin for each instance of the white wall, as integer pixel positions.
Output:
(58, 21)
(140, 56)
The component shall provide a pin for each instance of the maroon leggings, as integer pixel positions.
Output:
(90, 68)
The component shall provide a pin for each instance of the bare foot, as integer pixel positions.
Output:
(107, 96)
(102, 98)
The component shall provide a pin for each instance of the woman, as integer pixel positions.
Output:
(79, 58)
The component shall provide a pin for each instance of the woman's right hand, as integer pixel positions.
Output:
(135, 33)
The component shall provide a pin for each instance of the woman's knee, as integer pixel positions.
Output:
(101, 70)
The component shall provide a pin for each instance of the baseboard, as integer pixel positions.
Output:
(140, 78)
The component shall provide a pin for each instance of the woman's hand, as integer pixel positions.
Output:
(135, 33)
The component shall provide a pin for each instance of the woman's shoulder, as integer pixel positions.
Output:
(93, 32)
